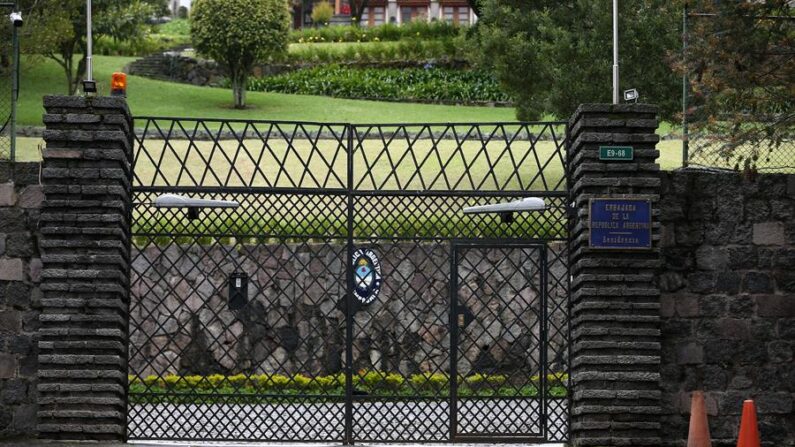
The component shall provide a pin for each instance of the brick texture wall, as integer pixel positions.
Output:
(728, 302)
(21, 197)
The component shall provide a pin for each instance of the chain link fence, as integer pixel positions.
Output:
(6, 81)
(765, 156)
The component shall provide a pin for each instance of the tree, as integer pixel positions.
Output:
(238, 33)
(741, 66)
(57, 30)
(357, 9)
(322, 13)
(551, 56)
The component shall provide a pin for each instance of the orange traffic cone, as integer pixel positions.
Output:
(749, 428)
(698, 435)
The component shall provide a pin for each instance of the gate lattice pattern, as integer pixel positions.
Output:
(302, 361)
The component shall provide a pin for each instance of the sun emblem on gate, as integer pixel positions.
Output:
(366, 275)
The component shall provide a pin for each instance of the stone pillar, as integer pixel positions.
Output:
(85, 227)
(615, 313)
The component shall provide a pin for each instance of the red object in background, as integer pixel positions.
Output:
(749, 427)
(345, 9)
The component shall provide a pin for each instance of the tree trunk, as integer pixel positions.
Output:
(239, 89)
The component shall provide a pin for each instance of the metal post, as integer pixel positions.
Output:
(89, 44)
(685, 91)
(14, 91)
(615, 52)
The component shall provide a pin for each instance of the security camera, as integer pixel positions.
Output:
(16, 18)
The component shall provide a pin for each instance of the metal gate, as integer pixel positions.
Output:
(335, 291)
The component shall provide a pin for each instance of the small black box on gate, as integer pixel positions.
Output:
(238, 290)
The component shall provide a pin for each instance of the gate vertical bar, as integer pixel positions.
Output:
(542, 381)
(14, 91)
(349, 299)
(453, 382)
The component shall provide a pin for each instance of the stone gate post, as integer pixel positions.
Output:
(85, 228)
(615, 317)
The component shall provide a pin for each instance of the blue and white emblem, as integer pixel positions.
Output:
(366, 275)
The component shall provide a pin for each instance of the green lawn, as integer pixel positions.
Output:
(150, 97)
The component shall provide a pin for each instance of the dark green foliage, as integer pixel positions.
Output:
(387, 32)
(552, 56)
(431, 84)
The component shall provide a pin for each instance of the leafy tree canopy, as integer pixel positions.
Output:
(238, 33)
(552, 56)
(741, 66)
(57, 29)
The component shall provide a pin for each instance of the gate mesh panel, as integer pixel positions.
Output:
(308, 195)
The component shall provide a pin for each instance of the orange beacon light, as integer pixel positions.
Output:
(118, 84)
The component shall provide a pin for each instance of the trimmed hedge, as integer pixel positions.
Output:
(387, 32)
(377, 383)
(409, 84)
(409, 50)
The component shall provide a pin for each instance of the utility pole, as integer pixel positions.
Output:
(89, 44)
(615, 52)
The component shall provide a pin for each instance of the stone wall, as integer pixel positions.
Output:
(295, 320)
(20, 273)
(728, 302)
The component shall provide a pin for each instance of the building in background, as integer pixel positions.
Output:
(379, 12)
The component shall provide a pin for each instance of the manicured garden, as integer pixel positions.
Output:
(265, 387)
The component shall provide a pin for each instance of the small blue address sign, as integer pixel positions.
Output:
(622, 224)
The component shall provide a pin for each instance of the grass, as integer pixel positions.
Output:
(158, 98)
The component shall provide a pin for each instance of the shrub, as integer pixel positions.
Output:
(412, 50)
(408, 84)
(381, 33)
(322, 12)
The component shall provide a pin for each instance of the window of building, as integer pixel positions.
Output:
(456, 14)
(374, 16)
(413, 13)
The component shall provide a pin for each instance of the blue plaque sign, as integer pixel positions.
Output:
(620, 224)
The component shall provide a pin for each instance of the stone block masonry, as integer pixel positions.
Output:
(20, 297)
(615, 319)
(728, 302)
(85, 227)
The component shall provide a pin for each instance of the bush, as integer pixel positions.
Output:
(373, 382)
(322, 12)
(154, 43)
(412, 50)
(408, 84)
(381, 33)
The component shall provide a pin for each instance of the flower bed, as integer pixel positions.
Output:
(270, 387)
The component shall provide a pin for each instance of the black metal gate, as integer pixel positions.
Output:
(338, 292)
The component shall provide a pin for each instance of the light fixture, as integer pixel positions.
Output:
(631, 95)
(193, 206)
(506, 210)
